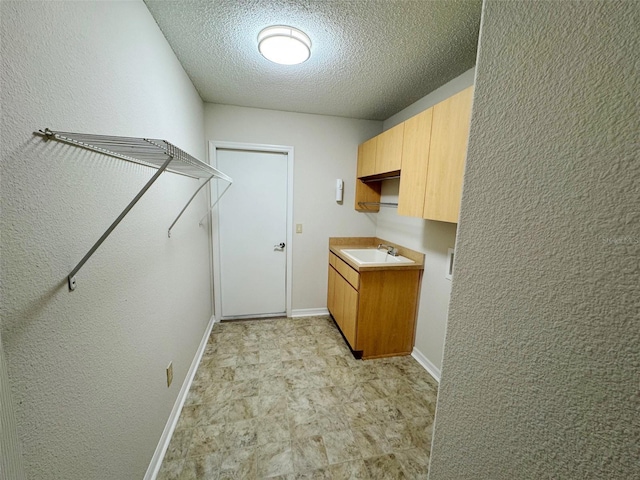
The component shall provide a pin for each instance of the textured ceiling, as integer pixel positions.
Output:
(369, 59)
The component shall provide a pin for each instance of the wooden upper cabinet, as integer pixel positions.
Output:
(447, 153)
(415, 159)
(367, 158)
(367, 192)
(389, 150)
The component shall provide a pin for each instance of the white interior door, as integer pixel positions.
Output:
(252, 228)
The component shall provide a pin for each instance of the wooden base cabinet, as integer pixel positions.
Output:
(375, 310)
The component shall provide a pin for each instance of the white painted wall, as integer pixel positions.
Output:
(11, 460)
(426, 236)
(540, 372)
(325, 149)
(87, 368)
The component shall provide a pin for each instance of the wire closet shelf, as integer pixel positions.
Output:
(155, 153)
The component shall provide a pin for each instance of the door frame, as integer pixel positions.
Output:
(214, 216)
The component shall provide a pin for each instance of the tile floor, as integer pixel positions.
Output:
(284, 398)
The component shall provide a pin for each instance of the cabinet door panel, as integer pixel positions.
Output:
(389, 150)
(449, 134)
(367, 158)
(338, 299)
(415, 160)
(331, 291)
(350, 314)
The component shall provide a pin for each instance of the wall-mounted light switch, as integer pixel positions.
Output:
(298, 228)
(449, 273)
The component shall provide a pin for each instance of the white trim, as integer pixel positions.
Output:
(309, 312)
(213, 161)
(165, 438)
(426, 364)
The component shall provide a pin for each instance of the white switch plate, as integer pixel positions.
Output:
(298, 228)
(449, 272)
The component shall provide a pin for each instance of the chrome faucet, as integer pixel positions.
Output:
(393, 251)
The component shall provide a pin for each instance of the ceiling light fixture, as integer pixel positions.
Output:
(284, 45)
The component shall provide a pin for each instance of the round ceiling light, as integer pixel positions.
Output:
(284, 45)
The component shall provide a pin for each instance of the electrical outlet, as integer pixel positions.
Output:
(169, 374)
(298, 228)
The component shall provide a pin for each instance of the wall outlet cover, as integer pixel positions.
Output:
(169, 374)
(449, 273)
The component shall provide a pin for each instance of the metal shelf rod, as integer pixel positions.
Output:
(188, 203)
(368, 180)
(72, 275)
(214, 204)
(378, 204)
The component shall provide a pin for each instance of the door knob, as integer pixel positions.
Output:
(280, 245)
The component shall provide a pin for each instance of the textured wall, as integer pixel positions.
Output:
(541, 361)
(326, 148)
(11, 461)
(431, 238)
(87, 368)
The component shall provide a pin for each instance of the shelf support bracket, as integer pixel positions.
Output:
(72, 276)
(189, 203)
(214, 204)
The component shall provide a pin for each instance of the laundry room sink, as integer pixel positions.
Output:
(369, 256)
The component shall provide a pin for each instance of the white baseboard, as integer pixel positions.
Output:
(426, 364)
(165, 438)
(309, 312)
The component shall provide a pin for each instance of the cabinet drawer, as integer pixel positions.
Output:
(348, 273)
(332, 259)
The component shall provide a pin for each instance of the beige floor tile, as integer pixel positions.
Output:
(372, 440)
(198, 468)
(327, 396)
(218, 392)
(239, 464)
(341, 446)
(272, 386)
(319, 474)
(170, 469)
(242, 409)
(270, 405)
(247, 372)
(284, 398)
(206, 440)
(242, 434)
(355, 470)
(386, 467)
(385, 410)
(309, 453)
(415, 463)
(398, 435)
(179, 445)
(273, 430)
(244, 388)
(275, 459)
